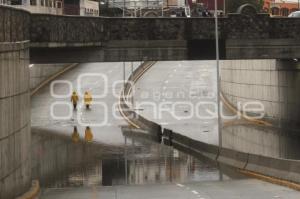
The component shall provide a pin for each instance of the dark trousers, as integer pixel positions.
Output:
(75, 106)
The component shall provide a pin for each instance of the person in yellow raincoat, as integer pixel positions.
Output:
(75, 135)
(87, 99)
(88, 134)
(74, 99)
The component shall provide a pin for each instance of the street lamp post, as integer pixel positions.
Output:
(123, 8)
(218, 75)
(132, 91)
(124, 75)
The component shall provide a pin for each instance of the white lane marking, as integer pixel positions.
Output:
(180, 185)
(195, 192)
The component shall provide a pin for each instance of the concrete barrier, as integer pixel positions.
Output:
(193, 146)
(280, 168)
(288, 170)
(233, 158)
(208, 150)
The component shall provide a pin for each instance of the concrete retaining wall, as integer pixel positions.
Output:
(257, 140)
(41, 72)
(15, 164)
(273, 83)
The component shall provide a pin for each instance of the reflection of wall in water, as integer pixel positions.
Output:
(262, 141)
(163, 164)
(57, 159)
(58, 162)
(274, 83)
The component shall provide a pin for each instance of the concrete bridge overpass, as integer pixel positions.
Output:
(245, 35)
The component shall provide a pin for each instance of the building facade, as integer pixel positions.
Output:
(281, 7)
(81, 7)
(210, 4)
(56, 7)
(36, 6)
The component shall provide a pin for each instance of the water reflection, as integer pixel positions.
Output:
(68, 161)
(267, 141)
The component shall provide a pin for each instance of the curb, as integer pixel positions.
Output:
(33, 192)
(123, 99)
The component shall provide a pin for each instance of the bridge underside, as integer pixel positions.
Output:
(115, 51)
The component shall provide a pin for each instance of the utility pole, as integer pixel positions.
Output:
(124, 75)
(162, 8)
(218, 75)
(123, 8)
(132, 91)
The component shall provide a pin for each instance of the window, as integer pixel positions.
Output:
(42, 3)
(58, 4)
(275, 11)
(284, 11)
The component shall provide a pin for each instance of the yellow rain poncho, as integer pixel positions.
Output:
(88, 134)
(87, 98)
(75, 135)
(74, 98)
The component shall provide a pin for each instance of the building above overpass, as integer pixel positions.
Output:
(244, 35)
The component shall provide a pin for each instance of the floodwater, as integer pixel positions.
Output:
(72, 163)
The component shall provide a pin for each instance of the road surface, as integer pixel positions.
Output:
(190, 84)
(138, 168)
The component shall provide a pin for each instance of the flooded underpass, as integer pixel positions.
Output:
(138, 161)
(111, 162)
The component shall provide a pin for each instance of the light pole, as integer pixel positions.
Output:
(132, 91)
(218, 75)
(123, 8)
(124, 75)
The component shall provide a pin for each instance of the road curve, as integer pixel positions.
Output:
(112, 135)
